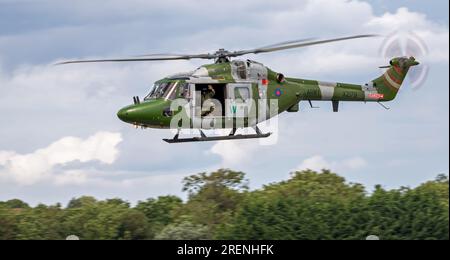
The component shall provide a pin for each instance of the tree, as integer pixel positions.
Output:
(8, 224)
(428, 208)
(213, 197)
(160, 210)
(39, 223)
(81, 202)
(184, 231)
(310, 205)
(134, 226)
(323, 206)
(112, 219)
(118, 202)
(15, 204)
(222, 178)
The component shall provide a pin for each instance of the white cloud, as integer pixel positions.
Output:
(402, 19)
(242, 153)
(235, 153)
(356, 57)
(318, 163)
(71, 177)
(27, 169)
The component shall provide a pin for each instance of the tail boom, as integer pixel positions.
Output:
(383, 88)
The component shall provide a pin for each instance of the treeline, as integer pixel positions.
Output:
(309, 205)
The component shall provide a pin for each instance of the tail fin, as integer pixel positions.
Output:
(390, 82)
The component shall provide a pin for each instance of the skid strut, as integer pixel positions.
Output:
(204, 138)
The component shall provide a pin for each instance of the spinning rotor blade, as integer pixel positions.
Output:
(168, 55)
(216, 55)
(287, 43)
(222, 53)
(297, 44)
(160, 58)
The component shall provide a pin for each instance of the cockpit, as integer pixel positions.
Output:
(169, 90)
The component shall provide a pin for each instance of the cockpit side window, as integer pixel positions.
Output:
(152, 91)
(170, 92)
(183, 91)
(162, 90)
(157, 91)
(241, 69)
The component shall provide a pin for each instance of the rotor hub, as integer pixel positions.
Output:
(222, 56)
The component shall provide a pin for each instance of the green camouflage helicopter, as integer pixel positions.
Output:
(233, 94)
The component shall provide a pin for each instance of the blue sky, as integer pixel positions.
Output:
(60, 137)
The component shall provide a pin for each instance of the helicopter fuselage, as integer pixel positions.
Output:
(245, 93)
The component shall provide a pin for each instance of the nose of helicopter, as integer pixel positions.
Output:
(147, 113)
(124, 114)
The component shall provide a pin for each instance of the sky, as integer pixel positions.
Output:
(60, 137)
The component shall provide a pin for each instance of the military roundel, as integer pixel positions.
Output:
(278, 92)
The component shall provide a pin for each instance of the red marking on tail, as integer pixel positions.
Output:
(376, 96)
(398, 70)
(393, 78)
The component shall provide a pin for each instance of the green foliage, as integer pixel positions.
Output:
(8, 226)
(323, 206)
(223, 178)
(81, 202)
(90, 220)
(41, 222)
(309, 205)
(159, 212)
(14, 204)
(133, 226)
(213, 197)
(184, 231)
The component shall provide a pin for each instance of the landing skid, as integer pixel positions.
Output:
(204, 138)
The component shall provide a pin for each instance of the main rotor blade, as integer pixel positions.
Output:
(186, 57)
(165, 55)
(223, 53)
(287, 43)
(297, 45)
(215, 55)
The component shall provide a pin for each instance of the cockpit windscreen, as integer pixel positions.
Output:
(162, 90)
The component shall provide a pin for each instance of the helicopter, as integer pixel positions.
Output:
(234, 94)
